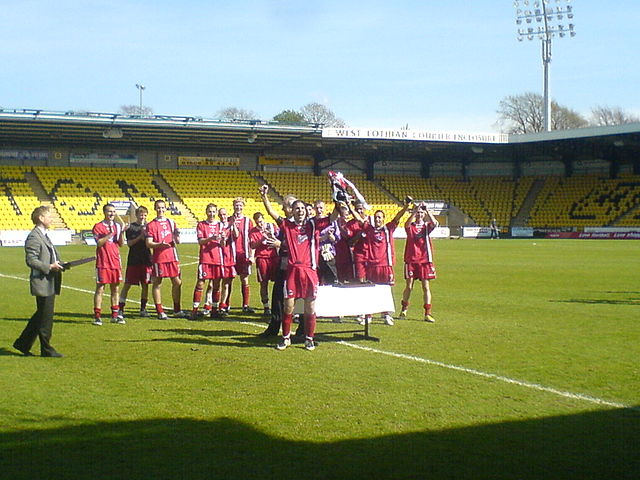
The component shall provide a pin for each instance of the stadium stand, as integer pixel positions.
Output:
(481, 198)
(79, 193)
(586, 200)
(17, 200)
(197, 188)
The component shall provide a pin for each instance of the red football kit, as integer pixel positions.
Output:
(108, 263)
(359, 248)
(303, 242)
(267, 259)
(211, 253)
(381, 252)
(242, 244)
(165, 257)
(418, 252)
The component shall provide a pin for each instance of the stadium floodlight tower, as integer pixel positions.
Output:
(550, 23)
(140, 87)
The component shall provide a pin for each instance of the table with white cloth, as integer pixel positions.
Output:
(352, 300)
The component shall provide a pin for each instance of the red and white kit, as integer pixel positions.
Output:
(242, 244)
(303, 242)
(165, 258)
(108, 262)
(267, 260)
(418, 252)
(381, 252)
(211, 253)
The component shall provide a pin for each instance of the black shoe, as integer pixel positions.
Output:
(24, 351)
(53, 355)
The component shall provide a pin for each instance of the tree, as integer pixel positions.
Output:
(135, 110)
(320, 114)
(234, 113)
(290, 117)
(524, 113)
(602, 116)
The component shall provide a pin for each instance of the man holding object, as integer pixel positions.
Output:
(45, 281)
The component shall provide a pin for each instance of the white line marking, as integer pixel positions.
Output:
(492, 376)
(426, 361)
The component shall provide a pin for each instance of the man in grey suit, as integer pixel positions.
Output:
(45, 282)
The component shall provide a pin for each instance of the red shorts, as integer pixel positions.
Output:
(138, 275)
(243, 266)
(301, 283)
(229, 271)
(419, 271)
(208, 271)
(267, 268)
(166, 270)
(108, 276)
(380, 275)
(360, 269)
(345, 271)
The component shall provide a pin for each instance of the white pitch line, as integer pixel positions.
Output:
(426, 361)
(492, 376)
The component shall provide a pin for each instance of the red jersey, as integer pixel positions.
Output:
(210, 252)
(419, 248)
(343, 252)
(257, 241)
(244, 226)
(108, 255)
(161, 230)
(303, 241)
(359, 249)
(228, 247)
(380, 244)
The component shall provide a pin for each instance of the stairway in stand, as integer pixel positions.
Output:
(39, 191)
(175, 200)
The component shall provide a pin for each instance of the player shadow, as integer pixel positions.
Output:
(587, 445)
(601, 301)
(195, 336)
(9, 352)
(58, 317)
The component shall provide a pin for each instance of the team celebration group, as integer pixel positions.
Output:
(305, 247)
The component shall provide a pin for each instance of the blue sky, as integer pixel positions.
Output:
(435, 65)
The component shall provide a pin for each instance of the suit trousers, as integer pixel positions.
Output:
(40, 325)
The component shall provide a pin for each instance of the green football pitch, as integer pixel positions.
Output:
(531, 371)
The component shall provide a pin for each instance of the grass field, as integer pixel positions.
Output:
(531, 371)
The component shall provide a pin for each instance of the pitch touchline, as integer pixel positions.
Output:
(492, 376)
(426, 361)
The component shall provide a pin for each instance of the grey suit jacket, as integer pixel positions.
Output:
(39, 252)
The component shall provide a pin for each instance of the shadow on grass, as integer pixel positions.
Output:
(601, 444)
(632, 298)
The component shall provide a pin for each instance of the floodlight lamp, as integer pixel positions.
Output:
(573, 34)
(530, 37)
(529, 30)
(518, 21)
(561, 34)
(569, 15)
(569, 8)
(516, 4)
(520, 38)
(528, 19)
(571, 26)
(538, 19)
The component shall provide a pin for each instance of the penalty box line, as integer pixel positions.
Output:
(426, 361)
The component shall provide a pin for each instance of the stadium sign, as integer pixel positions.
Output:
(213, 161)
(413, 135)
